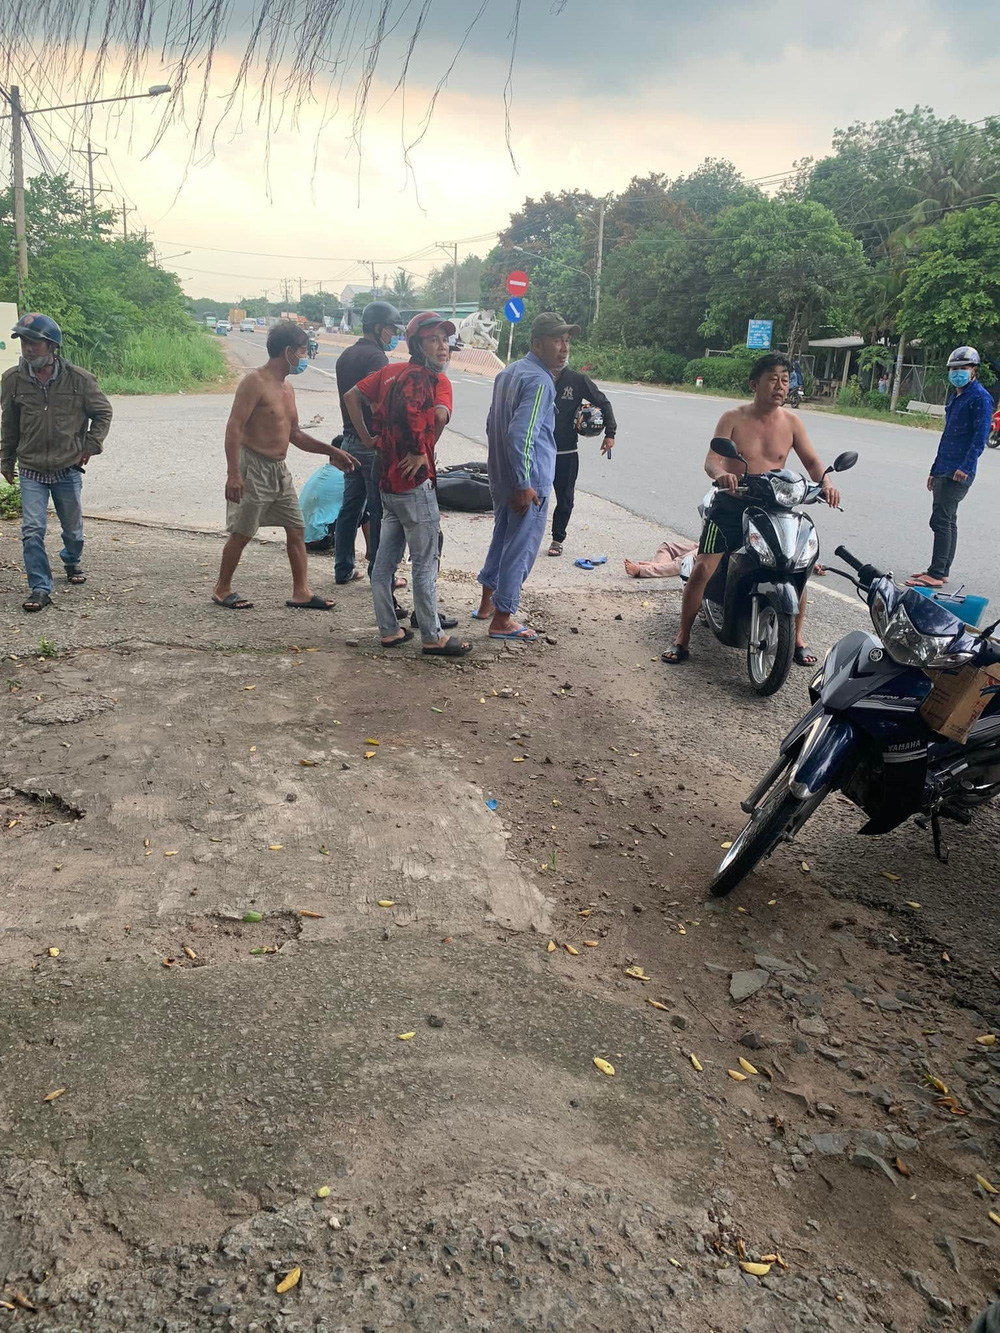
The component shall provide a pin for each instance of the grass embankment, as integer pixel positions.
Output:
(162, 361)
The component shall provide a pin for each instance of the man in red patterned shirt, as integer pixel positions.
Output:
(410, 406)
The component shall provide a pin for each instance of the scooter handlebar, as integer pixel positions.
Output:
(866, 573)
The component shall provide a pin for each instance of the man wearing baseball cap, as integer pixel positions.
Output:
(520, 430)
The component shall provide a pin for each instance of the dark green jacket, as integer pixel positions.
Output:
(52, 428)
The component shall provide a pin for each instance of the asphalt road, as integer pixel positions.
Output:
(657, 471)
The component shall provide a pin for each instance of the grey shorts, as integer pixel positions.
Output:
(269, 497)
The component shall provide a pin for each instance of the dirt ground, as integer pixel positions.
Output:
(387, 1083)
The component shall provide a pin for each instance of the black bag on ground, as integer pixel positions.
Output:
(464, 486)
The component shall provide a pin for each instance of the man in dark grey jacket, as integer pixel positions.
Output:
(53, 419)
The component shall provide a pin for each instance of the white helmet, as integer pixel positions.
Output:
(963, 356)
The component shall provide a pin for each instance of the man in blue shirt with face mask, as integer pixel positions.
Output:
(968, 415)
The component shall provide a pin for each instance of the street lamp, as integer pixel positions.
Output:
(17, 114)
(531, 254)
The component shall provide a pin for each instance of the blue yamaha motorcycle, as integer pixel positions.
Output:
(864, 735)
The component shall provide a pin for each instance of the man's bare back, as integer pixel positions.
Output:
(265, 409)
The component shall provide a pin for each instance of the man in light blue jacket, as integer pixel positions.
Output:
(522, 462)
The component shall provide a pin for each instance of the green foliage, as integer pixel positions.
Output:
(161, 362)
(645, 365)
(653, 290)
(10, 498)
(952, 292)
(712, 188)
(313, 305)
(46, 648)
(850, 395)
(437, 289)
(720, 372)
(110, 301)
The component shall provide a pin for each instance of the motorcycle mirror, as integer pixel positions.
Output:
(725, 448)
(843, 462)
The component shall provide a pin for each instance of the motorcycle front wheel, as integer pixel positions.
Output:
(777, 819)
(994, 440)
(769, 657)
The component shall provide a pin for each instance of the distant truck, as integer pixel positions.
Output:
(236, 315)
(211, 321)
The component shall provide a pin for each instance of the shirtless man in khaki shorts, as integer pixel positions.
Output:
(259, 489)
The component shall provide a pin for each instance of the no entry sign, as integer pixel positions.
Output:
(517, 283)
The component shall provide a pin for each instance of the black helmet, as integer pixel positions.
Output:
(589, 420)
(38, 326)
(381, 312)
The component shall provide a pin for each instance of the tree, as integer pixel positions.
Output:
(952, 293)
(402, 291)
(782, 259)
(654, 291)
(437, 289)
(314, 305)
(711, 188)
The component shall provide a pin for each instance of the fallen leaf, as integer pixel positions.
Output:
(591, 944)
(746, 1066)
(901, 1167)
(570, 950)
(676, 1263)
(550, 947)
(585, 912)
(169, 853)
(323, 1192)
(893, 879)
(604, 1066)
(756, 1270)
(249, 687)
(291, 1279)
(53, 953)
(988, 1039)
(369, 754)
(307, 763)
(370, 740)
(436, 710)
(406, 1036)
(726, 846)
(772, 902)
(657, 1005)
(519, 759)
(637, 974)
(994, 1219)
(387, 902)
(915, 906)
(990, 1189)
(145, 842)
(53, 1095)
(275, 846)
(22, 1300)
(735, 1073)
(190, 952)
(806, 866)
(313, 916)
(6, 1305)
(681, 930)
(556, 803)
(936, 1083)
(253, 749)
(253, 916)
(946, 958)
(696, 1062)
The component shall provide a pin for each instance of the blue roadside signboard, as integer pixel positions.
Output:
(759, 333)
(513, 311)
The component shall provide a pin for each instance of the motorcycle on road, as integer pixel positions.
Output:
(753, 597)
(993, 439)
(864, 734)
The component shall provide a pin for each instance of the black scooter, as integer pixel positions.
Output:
(864, 734)
(753, 597)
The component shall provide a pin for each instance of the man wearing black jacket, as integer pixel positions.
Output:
(573, 388)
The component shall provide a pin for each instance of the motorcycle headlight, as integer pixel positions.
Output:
(906, 645)
(758, 545)
(788, 493)
(880, 616)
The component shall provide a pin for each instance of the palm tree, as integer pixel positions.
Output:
(403, 289)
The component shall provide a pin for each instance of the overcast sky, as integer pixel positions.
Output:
(601, 92)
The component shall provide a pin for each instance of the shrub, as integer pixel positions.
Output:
(159, 361)
(649, 365)
(850, 395)
(878, 401)
(10, 499)
(720, 372)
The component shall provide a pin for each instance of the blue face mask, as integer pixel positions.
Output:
(959, 378)
(303, 364)
(393, 342)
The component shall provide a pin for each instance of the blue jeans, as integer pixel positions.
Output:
(359, 486)
(408, 518)
(34, 515)
(516, 539)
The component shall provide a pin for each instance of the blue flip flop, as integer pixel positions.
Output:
(526, 634)
(590, 561)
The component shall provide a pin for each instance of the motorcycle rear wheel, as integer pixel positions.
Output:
(770, 659)
(777, 819)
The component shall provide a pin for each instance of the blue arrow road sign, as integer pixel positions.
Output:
(759, 333)
(514, 310)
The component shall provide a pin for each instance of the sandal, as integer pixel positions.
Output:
(803, 657)
(453, 648)
(234, 602)
(925, 581)
(37, 600)
(676, 655)
(315, 603)
(446, 622)
(399, 582)
(353, 579)
(74, 574)
(394, 643)
(556, 548)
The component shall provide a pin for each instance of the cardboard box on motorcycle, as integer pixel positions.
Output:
(958, 700)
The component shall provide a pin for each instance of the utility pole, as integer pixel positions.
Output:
(451, 248)
(89, 153)
(300, 289)
(897, 378)
(369, 264)
(600, 258)
(20, 225)
(125, 212)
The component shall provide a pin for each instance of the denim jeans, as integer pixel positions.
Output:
(516, 539)
(359, 486)
(409, 518)
(34, 515)
(948, 495)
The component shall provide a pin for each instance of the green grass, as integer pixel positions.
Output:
(163, 361)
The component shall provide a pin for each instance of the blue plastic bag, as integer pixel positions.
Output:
(321, 499)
